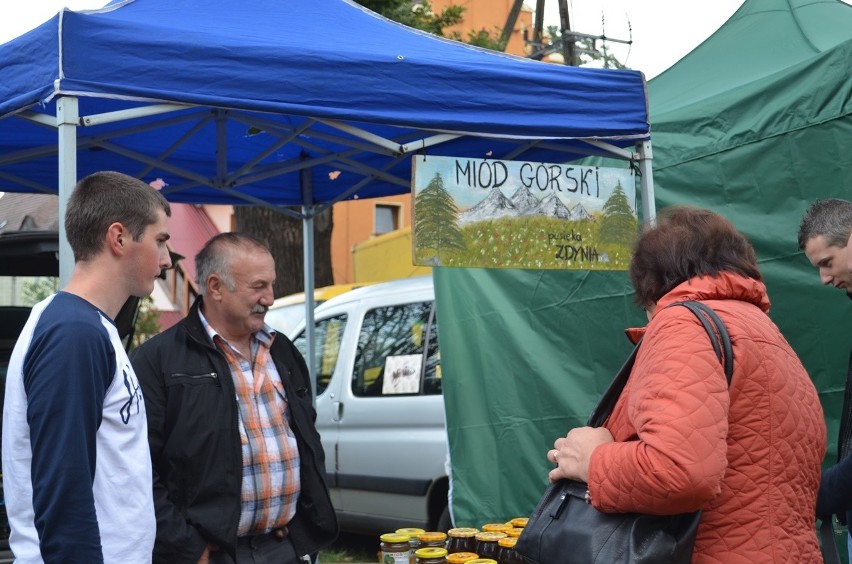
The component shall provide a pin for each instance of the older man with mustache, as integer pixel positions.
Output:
(239, 469)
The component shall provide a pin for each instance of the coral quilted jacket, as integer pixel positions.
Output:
(749, 456)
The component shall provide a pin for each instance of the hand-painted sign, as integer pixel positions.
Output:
(489, 213)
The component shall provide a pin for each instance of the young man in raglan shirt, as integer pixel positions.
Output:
(76, 466)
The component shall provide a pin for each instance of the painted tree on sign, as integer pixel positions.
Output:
(618, 226)
(436, 218)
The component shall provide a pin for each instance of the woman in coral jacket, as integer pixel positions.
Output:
(678, 439)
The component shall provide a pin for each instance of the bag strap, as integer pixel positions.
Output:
(715, 329)
(830, 552)
(726, 354)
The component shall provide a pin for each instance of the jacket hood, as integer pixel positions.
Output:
(725, 286)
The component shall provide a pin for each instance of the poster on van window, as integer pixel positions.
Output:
(402, 374)
(489, 213)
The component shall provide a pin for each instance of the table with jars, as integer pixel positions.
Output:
(492, 543)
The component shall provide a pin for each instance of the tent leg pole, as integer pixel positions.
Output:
(308, 248)
(67, 118)
(646, 157)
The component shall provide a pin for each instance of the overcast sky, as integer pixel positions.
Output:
(663, 31)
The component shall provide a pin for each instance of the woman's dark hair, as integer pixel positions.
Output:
(687, 242)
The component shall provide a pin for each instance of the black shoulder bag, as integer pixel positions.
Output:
(565, 528)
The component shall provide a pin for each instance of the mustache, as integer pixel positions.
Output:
(258, 308)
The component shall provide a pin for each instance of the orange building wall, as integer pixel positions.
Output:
(354, 223)
(489, 15)
(354, 220)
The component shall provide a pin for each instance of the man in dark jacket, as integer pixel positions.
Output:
(824, 236)
(239, 469)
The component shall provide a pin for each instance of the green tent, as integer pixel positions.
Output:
(755, 123)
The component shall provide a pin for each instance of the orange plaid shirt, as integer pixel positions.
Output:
(270, 481)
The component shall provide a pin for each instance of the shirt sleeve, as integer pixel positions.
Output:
(67, 370)
(835, 490)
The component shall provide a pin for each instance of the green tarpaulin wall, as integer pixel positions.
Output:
(755, 123)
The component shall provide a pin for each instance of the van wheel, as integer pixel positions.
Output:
(444, 522)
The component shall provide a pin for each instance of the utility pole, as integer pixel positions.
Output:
(510, 23)
(565, 29)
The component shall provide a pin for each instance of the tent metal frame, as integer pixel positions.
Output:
(68, 123)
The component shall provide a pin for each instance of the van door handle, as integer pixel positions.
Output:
(338, 411)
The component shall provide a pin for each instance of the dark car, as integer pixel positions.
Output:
(36, 253)
(22, 253)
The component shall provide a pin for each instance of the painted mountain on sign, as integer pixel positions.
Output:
(579, 212)
(552, 206)
(523, 203)
(494, 206)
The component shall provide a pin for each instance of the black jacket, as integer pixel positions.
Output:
(194, 436)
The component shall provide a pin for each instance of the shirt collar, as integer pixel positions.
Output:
(265, 336)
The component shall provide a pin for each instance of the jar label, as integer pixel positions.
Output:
(396, 557)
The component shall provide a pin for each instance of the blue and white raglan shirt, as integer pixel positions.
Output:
(76, 464)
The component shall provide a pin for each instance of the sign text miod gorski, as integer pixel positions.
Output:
(574, 179)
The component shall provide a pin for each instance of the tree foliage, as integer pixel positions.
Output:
(483, 38)
(436, 223)
(618, 225)
(147, 322)
(34, 290)
(284, 235)
(418, 15)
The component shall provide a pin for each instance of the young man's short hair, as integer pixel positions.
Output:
(104, 198)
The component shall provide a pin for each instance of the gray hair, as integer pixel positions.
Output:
(217, 255)
(830, 218)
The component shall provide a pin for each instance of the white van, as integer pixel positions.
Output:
(379, 406)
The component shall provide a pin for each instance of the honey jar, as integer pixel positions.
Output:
(433, 539)
(431, 555)
(486, 543)
(462, 539)
(395, 548)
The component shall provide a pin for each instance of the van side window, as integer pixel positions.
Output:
(398, 352)
(327, 338)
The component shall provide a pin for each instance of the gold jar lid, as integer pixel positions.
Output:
(520, 522)
(432, 536)
(410, 531)
(463, 532)
(461, 557)
(490, 536)
(514, 532)
(481, 561)
(430, 552)
(508, 542)
(394, 538)
(499, 527)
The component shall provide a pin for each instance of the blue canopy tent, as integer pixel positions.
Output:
(264, 101)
